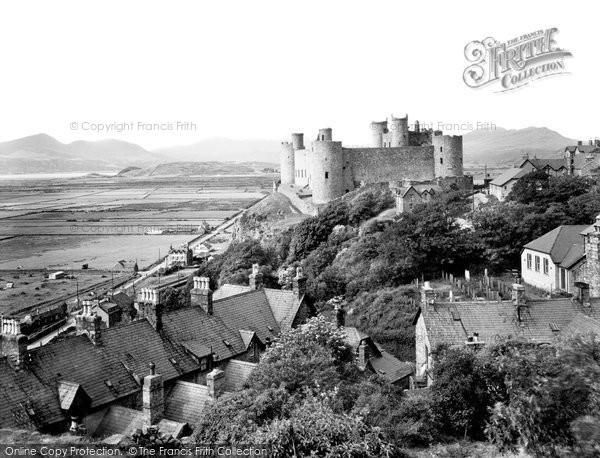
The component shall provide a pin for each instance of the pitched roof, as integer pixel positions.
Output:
(26, 401)
(575, 254)
(542, 163)
(185, 402)
(122, 300)
(236, 374)
(283, 303)
(250, 311)
(354, 337)
(558, 242)
(247, 337)
(512, 174)
(125, 421)
(390, 368)
(495, 320)
(194, 329)
(583, 148)
(67, 392)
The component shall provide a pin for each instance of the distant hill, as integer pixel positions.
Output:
(199, 169)
(44, 154)
(505, 146)
(225, 149)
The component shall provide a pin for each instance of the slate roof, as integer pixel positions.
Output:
(283, 303)
(583, 148)
(575, 254)
(512, 174)
(125, 421)
(247, 337)
(558, 242)
(194, 329)
(67, 392)
(354, 337)
(390, 368)
(540, 164)
(236, 374)
(498, 320)
(26, 402)
(185, 402)
(249, 311)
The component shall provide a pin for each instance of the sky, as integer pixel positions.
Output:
(262, 69)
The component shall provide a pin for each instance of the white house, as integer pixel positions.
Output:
(502, 185)
(549, 262)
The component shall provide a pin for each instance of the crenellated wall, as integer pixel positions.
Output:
(376, 165)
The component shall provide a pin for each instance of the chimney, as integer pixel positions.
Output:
(340, 315)
(518, 294)
(580, 143)
(153, 397)
(591, 142)
(299, 283)
(202, 295)
(583, 293)
(89, 323)
(13, 344)
(151, 307)
(427, 295)
(364, 353)
(215, 380)
(597, 142)
(256, 278)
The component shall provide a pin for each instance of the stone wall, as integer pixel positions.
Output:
(377, 165)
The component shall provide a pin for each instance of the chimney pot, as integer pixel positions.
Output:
(215, 380)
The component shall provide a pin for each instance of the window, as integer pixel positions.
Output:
(203, 364)
(529, 261)
(546, 266)
(326, 175)
(441, 147)
(441, 160)
(537, 263)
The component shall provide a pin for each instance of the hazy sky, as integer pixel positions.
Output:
(254, 69)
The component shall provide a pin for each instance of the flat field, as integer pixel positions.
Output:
(64, 223)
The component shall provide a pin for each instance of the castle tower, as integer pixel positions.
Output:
(448, 155)
(301, 168)
(399, 130)
(378, 128)
(286, 158)
(327, 161)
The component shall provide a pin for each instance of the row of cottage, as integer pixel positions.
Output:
(108, 380)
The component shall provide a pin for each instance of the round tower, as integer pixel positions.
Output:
(298, 141)
(399, 130)
(286, 158)
(448, 155)
(327, 169)
(325, 134)
(378, 128)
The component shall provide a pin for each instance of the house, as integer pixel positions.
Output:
(408, 195)
(503, 184)
(202, 250)
(127, 267)
(583, 160)
(548, 261)
(484, 322)
(180, 257)
(554, 167)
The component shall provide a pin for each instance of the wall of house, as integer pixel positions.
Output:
(502, 191)
(547, 282)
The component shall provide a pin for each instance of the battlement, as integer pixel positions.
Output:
(396, 153)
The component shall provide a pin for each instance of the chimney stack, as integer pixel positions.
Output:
(299, 283)
(151, 307)
(256, 278)
(518, 294)
(427, 295)
(215, 380)
(13, 344)
(153, 397)
(202, 295)
(89, 323)
(364, 353)
(579, 143)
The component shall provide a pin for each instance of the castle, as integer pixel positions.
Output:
(327, 170)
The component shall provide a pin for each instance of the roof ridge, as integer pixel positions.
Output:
(239, 294)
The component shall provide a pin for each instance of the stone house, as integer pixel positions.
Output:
(501, 186)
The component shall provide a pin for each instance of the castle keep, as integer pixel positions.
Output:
(328, 169)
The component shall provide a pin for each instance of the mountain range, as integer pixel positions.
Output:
(44, 154)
